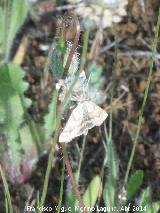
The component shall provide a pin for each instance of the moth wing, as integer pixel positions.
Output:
(84, 117)
(96, 115)
(73, 125)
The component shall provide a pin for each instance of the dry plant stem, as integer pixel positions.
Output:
(83, 60)
(64, 147)
(95, 46)
(75, 188)
(109, 46)
(138, 53)
(55, 139)
(144, 100)
(21, 52)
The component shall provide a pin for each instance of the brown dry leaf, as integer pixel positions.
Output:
(131, 42)
(20, 54)
(143, 62)
(130, 127)
(157, 157)
(39, 61)
(141, 149)
(117, 72)
(146, 163)
(45, 6)
(135, 9)
(142, 86)
(131, 27)
(158, 87)
(130, 108)
(117, 106)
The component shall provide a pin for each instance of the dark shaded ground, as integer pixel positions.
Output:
(136, 31)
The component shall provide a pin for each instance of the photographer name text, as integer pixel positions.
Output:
(89, 209)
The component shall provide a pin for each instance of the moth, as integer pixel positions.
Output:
(84, 116)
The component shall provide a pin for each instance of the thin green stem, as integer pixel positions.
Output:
(110, 119)
(46, 180)
(81, 159)
(154, 50)
(50, 160)
(6, 204)
(6, 189)
(112, 95)
(101, 176)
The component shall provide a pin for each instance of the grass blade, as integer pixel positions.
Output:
(6, 189)
(154, 50)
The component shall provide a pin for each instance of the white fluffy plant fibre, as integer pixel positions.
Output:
(95, 13)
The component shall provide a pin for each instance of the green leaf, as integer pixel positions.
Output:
(134, 183)
(90, 196)
(17, 15)
(56, 61)
(145, 197)
(109, 193)
(2, 147)
(12, 100)
(24, 152)
(11, 109)
(112, 163)
(38, 133)
(92, 192)
(13, 75)
(2, 31)
(10, 104)
(28, 144)
(153, 207)
(13, 105)
(94, 72)
(50, 118)
(145, 202)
